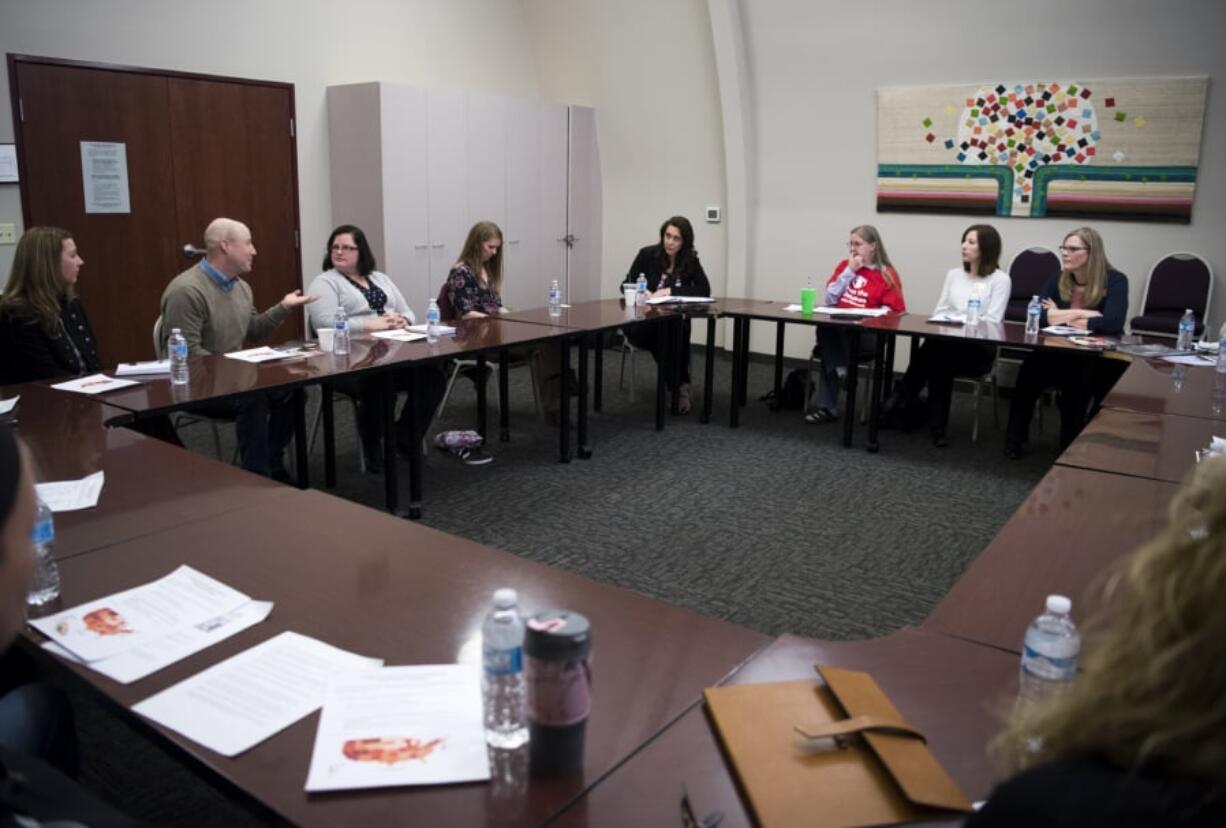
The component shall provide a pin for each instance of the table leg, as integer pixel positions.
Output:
(325, 408)
(414, 441)
(888, 387)
(743, 385)
(584, 449)
(738, 332)
(884, 344)
(504, 403)
(598, 380)
(853, 373)
(481, 398)
(708, 372)
(300, 439)
(779, 336)
(391, 471)
(661, 384)
(676, 330)
(564, 402)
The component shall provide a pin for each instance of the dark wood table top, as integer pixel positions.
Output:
(608, 314)
(150, 486)
(371, 583)
(1154, 446)
(770, 309)
(1157, 387)
(1063, 539)
(948, 688)
(1002, 333)
(216, 377)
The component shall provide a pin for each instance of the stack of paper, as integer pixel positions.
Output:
(419, 725)
(267, 354)
(7, 405)
(154, 366)
(401, 335)
(94, 384)
(671, 299)
(443, 330)
(70, 495)
(134, 633)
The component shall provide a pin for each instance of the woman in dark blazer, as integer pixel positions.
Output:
(44, 332)
(671, 269)
(1090, 294)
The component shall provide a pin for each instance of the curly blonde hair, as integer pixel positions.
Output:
(1153, 690)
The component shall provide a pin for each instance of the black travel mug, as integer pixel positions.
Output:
(557, 666)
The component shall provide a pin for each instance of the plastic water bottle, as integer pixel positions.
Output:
(432, 321)
(973, 306)
(1033, 311)
(640, 290)
(47, 574)
(1049, 654)
(1221, 350)
(1187, 329)
(340, 344)
(505, 693)
(177, 348)
(555, 299)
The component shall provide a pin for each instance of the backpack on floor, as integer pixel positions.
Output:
(791, 393)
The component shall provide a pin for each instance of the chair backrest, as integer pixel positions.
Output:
(1028, 272)
(446, 313)
(159, 344)
(1179, 281)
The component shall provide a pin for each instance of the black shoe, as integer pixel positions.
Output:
(939, 439)
(281, 476)
(821, 415)
(374, 463)
(1013, 450)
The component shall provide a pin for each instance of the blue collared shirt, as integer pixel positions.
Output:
(223, 281)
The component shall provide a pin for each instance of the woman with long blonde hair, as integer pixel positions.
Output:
(1089, 294)
(1140, 739)
(865, 279)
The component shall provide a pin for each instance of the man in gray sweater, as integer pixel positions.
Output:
(213, 308)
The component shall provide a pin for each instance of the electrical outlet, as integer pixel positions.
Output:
(8, 234)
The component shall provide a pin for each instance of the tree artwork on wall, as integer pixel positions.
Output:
(1125, 149)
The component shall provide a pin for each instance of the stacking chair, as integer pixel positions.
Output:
(1178, 281)
(315, 424)
(628, 350)
(1028, 272)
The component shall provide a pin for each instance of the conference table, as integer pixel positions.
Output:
(365, 581)
(950, 689)
(1158, 387)
(1064, 539)
(1153, 446)
(150, 486)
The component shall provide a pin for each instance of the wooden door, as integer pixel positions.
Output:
(196, 148)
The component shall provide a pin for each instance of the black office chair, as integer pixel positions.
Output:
(1178, 281)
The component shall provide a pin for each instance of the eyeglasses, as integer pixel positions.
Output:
(344, 248)
(1064, 248)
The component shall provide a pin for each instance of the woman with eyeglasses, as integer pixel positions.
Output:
(371, 302)
(865, 279)
(1090, 294)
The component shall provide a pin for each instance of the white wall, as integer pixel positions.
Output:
(471, 45)
(648, 69)
(814, 70)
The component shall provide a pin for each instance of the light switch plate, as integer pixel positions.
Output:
(8, 234)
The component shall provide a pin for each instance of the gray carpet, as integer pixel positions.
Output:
(774, 526)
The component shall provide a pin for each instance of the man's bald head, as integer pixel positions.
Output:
(228, 247)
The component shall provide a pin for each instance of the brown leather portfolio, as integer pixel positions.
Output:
(837, 754)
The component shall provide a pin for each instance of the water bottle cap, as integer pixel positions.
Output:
(1059, 605)
(174, 331)
(505, 598)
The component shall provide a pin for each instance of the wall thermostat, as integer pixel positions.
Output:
(712, 215)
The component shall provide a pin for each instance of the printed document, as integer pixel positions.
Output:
(233, 706)
(70, 495)
(401, 335)
(94, 384)
(140, 616)
(419, 725)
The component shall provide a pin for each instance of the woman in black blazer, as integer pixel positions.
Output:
(44, 332)
(671, 269)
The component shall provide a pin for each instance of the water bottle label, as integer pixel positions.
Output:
(43, 533)
(180, 350)
(1047, 667)
(504, 662)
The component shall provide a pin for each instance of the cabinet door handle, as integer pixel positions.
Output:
(421, 247)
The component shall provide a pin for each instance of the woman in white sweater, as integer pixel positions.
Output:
(372, 302)
(938, 361)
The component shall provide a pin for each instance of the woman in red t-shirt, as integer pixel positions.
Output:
(865, 279)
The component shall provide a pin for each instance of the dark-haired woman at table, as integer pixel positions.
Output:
(1089, 294)
(371, 302)
(1140, 737)
(938, 361)
(865, 279)
(671, 268)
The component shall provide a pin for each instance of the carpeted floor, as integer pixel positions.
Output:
(774, 526)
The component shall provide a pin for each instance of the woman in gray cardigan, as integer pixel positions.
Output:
(371, 302)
